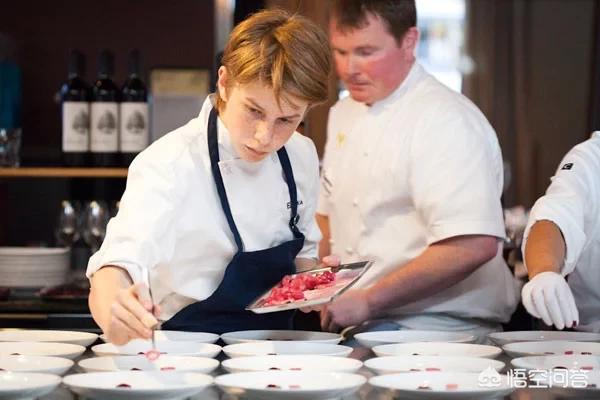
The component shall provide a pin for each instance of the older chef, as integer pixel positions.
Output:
(562, 240)
(218, 211)
(412, 178)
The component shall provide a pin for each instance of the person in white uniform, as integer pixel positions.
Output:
(411, 179)
(561, 244)
(219, 210)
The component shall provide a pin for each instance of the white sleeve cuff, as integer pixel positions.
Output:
(136, 272)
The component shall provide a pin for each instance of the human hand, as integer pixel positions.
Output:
(331, 260)
(351, 308)
(132, 315)
(548, 296)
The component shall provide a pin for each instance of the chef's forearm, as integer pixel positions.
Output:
(105, 285)
(440, 266)
(545, 248)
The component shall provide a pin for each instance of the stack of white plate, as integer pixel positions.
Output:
(33, 267)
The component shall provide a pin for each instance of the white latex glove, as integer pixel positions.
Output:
(549, 297)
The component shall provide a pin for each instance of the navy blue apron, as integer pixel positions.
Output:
(249, 274)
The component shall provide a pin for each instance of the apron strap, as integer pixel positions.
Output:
(291, 182)
(213, 150)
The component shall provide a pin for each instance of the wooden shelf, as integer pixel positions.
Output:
(62, 172)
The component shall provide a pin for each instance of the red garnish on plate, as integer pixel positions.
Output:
(414, 370)
(14, 354)
(167, 368)
(273, 386)
(296, 369)
(591, 385)
(123, 385)
(135, 369)
(560, 367)
(294, 386)
(432, 369)
(586, 353)
(587, 368)
(152, 355)
(548, 352)
(451, 386)
(569, 352)
(274, 368)
(424, 387)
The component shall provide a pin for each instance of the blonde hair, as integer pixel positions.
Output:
(287, 52)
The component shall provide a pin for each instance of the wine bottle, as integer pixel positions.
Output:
(75, 97)
(105, 114)
(134, 135)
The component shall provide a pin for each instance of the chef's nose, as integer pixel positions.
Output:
(264, 133)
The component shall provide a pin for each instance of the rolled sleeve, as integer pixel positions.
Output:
(141, 235)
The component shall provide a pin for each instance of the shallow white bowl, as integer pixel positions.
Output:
(392, 365)
(43, 364)
(437, 349)
(587, 363)
(175, 336)
(144, 385)
(292, 363)
(26, 385)
(127, 363)
(314, 386)
(502, 338)
(469, 385)
(65, 350)
(590, 392)
(551, 348)
(280, 335)
(31, 335)
(180, 348)
(371, 339)
(286, 348)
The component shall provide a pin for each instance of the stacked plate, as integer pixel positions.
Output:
(502, 338)
(33, 267)
(372, 339)
(32, 335)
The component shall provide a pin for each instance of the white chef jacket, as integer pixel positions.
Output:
(572, 202)
(171, 223)
(415, 168)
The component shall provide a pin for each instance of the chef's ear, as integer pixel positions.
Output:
(222, 82)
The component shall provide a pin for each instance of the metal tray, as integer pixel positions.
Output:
(350, 273)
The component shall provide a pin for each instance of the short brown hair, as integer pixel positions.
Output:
(398, 15)
(287, 52)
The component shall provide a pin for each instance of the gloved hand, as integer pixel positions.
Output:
(548, 296)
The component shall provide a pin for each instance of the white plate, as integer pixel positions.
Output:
(144, 385)
(587, 363)
(175, 336)
(437, 349)
(280, 335)
(371, 339)
(551, 348)
(180, 348)
(590, 392)
(47, 365)
(292, 363)
(26, 335)
(26, 385)
(469, 385)
(65, 350)
(313, 386)
(502, 338)
(392, 365)
(127, 363)
(285, 348)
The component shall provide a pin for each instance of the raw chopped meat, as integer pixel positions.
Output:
(294, 287)
(123, 385)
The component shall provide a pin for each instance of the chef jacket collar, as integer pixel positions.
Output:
(414, 75)
(226, 150)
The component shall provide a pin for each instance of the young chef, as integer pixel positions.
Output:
(219, 210)
(411, 178)
(562, 239)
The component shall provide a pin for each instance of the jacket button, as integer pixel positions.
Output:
(349, 250)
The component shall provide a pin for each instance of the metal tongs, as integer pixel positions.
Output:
(154, 353)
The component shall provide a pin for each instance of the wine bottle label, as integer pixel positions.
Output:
(134, 126)
(75, 126)
(105, 127)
